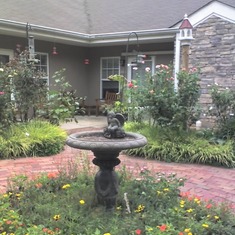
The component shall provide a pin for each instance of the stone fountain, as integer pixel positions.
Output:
(106, 146)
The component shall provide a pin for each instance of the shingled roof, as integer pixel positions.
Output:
(101, 16)
(98, 22)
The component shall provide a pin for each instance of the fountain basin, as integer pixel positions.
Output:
(95, 141)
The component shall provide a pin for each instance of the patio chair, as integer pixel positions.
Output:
(110, 98)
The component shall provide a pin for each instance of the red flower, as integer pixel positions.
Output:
(181, 233)
(52, 175)
(138, 231)
(163, 227)
(208, 206)
(130, 84)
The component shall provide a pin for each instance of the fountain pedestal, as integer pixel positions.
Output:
(106, 152)
(106, 179)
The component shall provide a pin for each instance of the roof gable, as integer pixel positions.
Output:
(214, 8)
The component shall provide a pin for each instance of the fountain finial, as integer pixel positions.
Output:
(115, 124)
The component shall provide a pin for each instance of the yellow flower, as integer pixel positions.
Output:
(66, 186)
(182, 202)
(150, 229)
(140, 208)
(216, 217)
(190, 234)
(82, 202)
(107, 233)
(189, 210)
(187, 230)
(205, 225)
(196, 200)
(166, 190)
(56, 217)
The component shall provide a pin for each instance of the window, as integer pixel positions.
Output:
(137, 72)
(42, 65)
(109, 66)
(5, 55)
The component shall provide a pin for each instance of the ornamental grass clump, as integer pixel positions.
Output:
(65, 202)
(35, 138)
(170, 145)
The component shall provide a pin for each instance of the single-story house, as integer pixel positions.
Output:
(95, 39)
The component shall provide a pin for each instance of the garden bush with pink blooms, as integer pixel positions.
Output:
(158, 97)
(65, 202)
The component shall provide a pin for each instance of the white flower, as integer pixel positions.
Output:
(216, 84)
(158, 66)
(147, 69)
(211, 108)
(26, 133)
(10, 76)
(135, 68)
(1, 69)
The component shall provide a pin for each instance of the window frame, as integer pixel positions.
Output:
(113, 68)
(46, 78)
(7, 52)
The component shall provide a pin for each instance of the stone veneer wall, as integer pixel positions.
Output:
(213, 51)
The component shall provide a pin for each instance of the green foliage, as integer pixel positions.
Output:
(35, 138)
(61, 103)
(223, 108)
(156, 95)
(173, 145)
(24, 94)
(147, 204)
(22, 89)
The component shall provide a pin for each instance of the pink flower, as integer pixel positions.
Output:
(138, 231)
(130, 84)
(2, 92)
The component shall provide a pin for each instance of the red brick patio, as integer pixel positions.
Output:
(205, 181)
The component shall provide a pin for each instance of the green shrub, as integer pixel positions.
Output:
(167, 144)
(36, 138)
(65, 203)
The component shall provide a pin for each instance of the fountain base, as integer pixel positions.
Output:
(106, 152)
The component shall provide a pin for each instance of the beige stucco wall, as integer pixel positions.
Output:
(85, 79)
